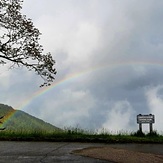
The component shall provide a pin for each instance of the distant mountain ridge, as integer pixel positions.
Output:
(17, 120)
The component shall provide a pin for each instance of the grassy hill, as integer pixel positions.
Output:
(17, 120)
(21, 126)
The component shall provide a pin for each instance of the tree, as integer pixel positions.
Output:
(19, 42)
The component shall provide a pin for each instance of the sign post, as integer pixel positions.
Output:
(150, 119)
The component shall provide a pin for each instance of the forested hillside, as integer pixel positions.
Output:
(17, 120)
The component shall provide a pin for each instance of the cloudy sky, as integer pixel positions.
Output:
(109, 59)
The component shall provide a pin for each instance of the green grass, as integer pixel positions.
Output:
(80, 135)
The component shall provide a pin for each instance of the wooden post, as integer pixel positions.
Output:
(140, 127)
(150, 128)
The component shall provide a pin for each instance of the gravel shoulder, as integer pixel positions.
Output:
(119, 155)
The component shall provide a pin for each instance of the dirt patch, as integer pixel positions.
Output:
(119, 155)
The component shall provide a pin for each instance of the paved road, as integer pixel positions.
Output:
(43, 152)
(52, 152)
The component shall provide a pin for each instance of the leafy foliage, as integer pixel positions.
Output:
(139, 134)
(19, 42)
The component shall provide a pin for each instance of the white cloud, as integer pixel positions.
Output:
(68, 108)
(155, 102)
(77, 38)
(5, 75)
(119, 117)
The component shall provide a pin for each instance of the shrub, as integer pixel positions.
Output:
(138, 134)
(153, 134)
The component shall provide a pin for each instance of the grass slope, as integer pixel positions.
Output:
(16, 120)
(24, 127)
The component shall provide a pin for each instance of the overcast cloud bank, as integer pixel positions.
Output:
(109, 54)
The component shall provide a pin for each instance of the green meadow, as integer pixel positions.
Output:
(79, 135)
(20, 126)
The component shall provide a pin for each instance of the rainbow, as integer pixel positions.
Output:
(76, 75)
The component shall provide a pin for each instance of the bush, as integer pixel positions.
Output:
(153, 134)
(138, 134)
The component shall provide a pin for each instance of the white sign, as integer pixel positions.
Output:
(145, 118)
